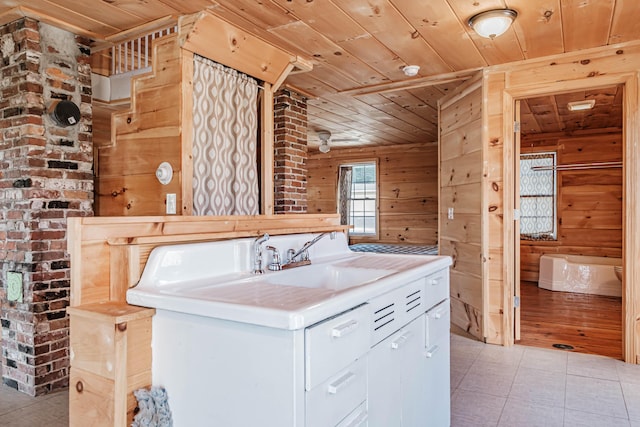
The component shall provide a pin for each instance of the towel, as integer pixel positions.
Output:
(153, 408)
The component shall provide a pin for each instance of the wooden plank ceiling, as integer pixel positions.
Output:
(357, 88)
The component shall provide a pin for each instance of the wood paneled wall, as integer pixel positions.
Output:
(461, 201)
(407, 186)
(593, 68)
(589, 201)
(141, 138)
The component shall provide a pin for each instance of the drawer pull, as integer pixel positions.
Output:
(79, 387)
(341, 383)
(432, 351)
(344, 329)
(358, 421)
(435, 281)
(400, 341)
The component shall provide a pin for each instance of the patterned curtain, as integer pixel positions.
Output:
(225, 127)
(344, 193)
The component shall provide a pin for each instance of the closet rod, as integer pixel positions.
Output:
(579, 166)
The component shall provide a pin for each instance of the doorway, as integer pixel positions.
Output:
(570, 203)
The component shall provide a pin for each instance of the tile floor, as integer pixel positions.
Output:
(490, 386)
(527, 386)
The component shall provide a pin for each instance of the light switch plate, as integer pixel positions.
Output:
(14, 286)
(171, 203)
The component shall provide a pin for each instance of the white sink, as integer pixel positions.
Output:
(328, 276)
(214, 280)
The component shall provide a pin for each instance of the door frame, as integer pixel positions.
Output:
(631, 194)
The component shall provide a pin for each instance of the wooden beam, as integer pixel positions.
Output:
(214, 38)
(22, 11)
(412, 83)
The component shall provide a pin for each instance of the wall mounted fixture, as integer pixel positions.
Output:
(164, 173)
(587, 104)
(492, 23)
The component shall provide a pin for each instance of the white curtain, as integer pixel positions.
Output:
(225, 126)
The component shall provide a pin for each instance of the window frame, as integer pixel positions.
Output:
(541, 236)
(376, 211)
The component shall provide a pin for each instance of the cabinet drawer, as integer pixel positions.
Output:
(393, 310)
(437, 288)
(333, 400)
(334, 343)
(358, 418)
(438, 323)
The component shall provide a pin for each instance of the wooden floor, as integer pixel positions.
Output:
(590, 323)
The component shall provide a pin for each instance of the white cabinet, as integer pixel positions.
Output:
(409, 369)
(437, 358)
(384, 362)
(396, 372)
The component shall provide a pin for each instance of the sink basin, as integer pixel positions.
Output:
(327, 276)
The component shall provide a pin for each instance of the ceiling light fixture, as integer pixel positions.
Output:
(411, 70)
(492, 23)
(324, 136)
(581, 105)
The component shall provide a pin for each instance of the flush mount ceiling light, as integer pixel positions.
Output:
(492, 23)
(324, 136)
(581, 105)
(411, 70)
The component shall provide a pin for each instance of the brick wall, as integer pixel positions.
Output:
(45, 177)
(290, 156)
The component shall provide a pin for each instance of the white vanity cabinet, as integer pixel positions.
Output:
(409, 369)
(346, 342)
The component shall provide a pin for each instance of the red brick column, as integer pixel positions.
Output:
(45, 177)
(290, 145)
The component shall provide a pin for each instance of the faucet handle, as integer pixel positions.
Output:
(275, 264)
(290, 254)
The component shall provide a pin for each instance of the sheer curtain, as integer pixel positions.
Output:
(225, 126)
(344, 193)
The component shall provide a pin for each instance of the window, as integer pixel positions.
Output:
(361, 197)
(538, 196)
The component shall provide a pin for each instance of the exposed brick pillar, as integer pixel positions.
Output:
(290, 145)
(45, 177)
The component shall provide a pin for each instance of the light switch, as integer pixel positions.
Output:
(450, 213)
(14, 286)
(171, 203)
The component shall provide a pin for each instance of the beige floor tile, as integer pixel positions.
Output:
(489, 378)
(539, 387)
(506, 356)
(584, 419)
(587, 365)
(527, 414)
(596, 396)
(548, 360)
(628, 373)
(469, 408)
(631, 393)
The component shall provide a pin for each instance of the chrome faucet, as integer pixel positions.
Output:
(292, 255)
(257, 254)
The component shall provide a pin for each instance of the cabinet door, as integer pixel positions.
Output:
(396, 375)
(437, 364)
(413, 372)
